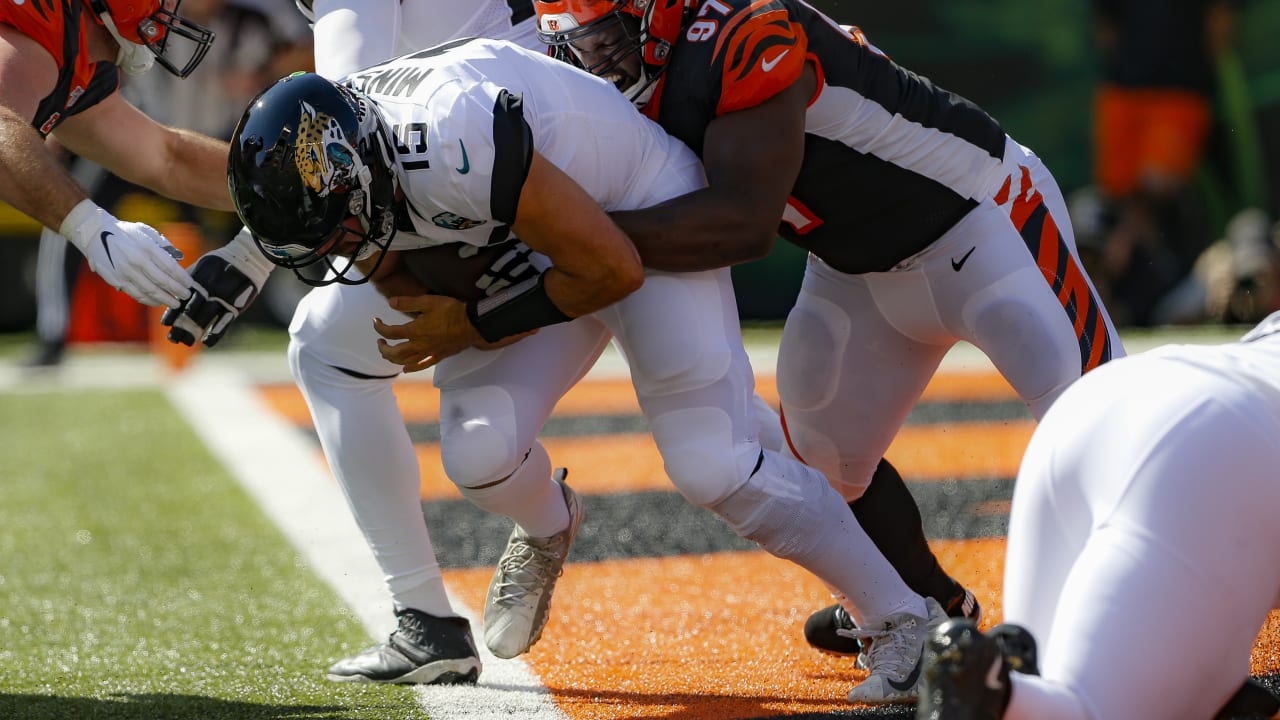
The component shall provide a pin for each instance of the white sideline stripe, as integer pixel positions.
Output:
(283, 472)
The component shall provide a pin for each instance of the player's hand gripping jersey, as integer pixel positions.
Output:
(891, 161)
(59, 27)
(466, 117)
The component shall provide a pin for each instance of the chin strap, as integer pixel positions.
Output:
(133, 58)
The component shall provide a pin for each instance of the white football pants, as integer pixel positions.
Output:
(858, 350)
(680, 335)
(1143, 551)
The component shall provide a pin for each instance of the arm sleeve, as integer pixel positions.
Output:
(354, 34)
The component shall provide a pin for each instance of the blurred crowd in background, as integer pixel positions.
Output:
(1159, 118)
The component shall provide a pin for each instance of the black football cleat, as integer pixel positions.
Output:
(1018, 648)
(822, 631)
(964, 605)
(823, 628)
(423, 650)
(966, 676)
(1253, 701)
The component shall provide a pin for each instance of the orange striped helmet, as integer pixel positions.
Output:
(646, 27)
(152, 25)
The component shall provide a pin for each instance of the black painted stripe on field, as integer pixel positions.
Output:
(664, 524)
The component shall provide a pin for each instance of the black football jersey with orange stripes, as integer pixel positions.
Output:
(891, 160)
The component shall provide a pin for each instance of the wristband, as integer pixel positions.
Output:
(83, 212)
(241, 250)
(518, 309)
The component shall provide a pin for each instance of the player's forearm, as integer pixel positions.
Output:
(197, 171)
(698, 231)
(32, 179)
(576, 298)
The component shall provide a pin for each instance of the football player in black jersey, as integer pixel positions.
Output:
(926, 225)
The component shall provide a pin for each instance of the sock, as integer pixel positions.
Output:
(889, 514)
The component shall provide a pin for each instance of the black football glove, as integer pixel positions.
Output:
(227, 281)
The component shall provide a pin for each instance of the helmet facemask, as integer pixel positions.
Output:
(616, 30)
(150, 31)
(324, 191)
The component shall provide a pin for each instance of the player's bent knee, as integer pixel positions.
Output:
(700, 453)
(478, 440)
(853, 487)
(478, 454)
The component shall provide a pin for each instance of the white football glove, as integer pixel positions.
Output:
(130, 256)
(226, 281)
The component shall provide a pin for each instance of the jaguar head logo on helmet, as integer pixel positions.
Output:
(151, 31)
(312, 175)
(624, 41)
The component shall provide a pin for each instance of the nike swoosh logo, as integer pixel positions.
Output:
(909, 682)
(957, 264)
(466, 162)
(103, 237)
(768, 65)
(993, 674)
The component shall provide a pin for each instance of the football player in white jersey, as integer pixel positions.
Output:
(461, 145)
(373, 460)
(1144, 553)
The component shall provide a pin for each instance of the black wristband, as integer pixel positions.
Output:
(518, 309)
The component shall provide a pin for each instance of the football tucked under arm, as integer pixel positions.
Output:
(467, 272)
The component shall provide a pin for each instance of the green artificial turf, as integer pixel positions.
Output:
(138, 581)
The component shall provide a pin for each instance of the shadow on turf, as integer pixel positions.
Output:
(710, 706)
(156, 706)
(695, 706)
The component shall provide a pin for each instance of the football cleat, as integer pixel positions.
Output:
(423, 649)
(893, 655)
(964, 605)
(966, 673)
(1252, 700)
(1017, 647)
(519, 599)
(823, 631)
(827, 630)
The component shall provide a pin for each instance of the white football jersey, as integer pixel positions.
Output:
(467, 116)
